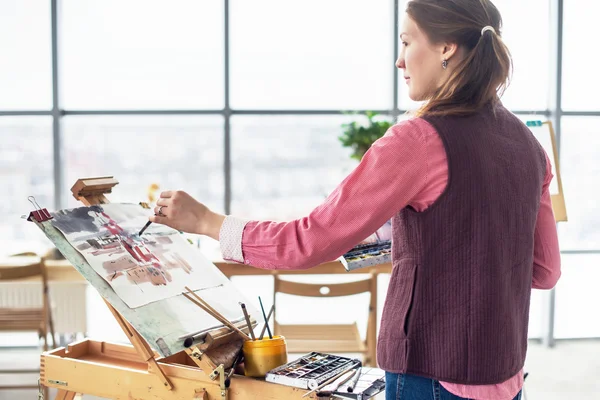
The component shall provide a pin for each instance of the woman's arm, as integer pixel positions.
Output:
(390, 174)
(546, 253)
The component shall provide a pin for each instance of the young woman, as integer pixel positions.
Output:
(466, 186)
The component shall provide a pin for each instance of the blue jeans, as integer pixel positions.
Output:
(412, 387)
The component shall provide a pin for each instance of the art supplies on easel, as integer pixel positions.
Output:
(310, 371)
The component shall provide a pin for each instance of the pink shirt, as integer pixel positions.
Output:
(407, 166)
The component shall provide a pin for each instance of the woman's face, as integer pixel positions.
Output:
(421, 61)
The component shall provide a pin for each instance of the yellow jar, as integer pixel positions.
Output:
(261, 356)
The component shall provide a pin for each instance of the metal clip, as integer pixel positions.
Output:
(220, 372)
(40, 390)
(35, 204)
(39, 214)
(197, 354)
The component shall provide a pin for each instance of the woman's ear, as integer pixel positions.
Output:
(448, 50)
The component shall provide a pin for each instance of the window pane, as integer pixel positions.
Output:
(579, 58)
(142, 54)
(284, 166)
(577, 290)
(580, 172)
(26, 169)
(536, 316)
(26, 67)
(311, 54)
(173, 152)
(529, 86)
(528, 89)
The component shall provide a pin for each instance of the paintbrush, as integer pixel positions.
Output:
(250, 328)
(265, 317)
(329, 393)
(333, 379)
(211, 311)
(354, 380)
(217, 316)
(262, 332)
(145, 227)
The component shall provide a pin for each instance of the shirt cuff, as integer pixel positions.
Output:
(230, 238)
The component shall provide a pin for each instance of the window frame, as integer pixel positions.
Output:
(553, 112)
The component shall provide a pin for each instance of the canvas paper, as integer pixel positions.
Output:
(140, 269)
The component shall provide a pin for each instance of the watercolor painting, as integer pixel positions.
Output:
(140, 269)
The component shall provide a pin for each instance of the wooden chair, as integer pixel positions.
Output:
(26, 267)
(336, 339)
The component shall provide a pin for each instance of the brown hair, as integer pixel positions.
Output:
(483, 75)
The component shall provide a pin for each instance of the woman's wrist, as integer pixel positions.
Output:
(211, 224)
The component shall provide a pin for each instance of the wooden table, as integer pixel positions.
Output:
(62, 270)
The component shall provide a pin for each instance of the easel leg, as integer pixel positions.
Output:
(64, 395)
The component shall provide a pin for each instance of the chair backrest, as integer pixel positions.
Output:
(17, 268)
(326, 290)
(350, 332)
(322, 290)
(21, 267)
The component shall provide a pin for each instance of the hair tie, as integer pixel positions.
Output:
(487, 28)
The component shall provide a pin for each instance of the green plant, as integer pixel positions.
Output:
(360, 137)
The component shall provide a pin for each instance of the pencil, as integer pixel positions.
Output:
(250, 329)
(265, 317)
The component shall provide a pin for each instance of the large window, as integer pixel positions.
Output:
(25, 170)
(25, 70)
(312, 54)
(240, 102)
(141, 54)
(579, 59)
(580, 166)
(283, 166)
(173, 152)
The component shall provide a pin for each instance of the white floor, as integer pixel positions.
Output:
(570, 370)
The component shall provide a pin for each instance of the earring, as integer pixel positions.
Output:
(445, 64)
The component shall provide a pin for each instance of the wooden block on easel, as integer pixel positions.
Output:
(91, 191)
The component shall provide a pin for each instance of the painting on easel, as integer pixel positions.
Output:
(140, 269)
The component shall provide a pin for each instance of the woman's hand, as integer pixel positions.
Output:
(181, 211)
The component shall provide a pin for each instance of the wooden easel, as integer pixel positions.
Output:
(124, 372)
(558, 200)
